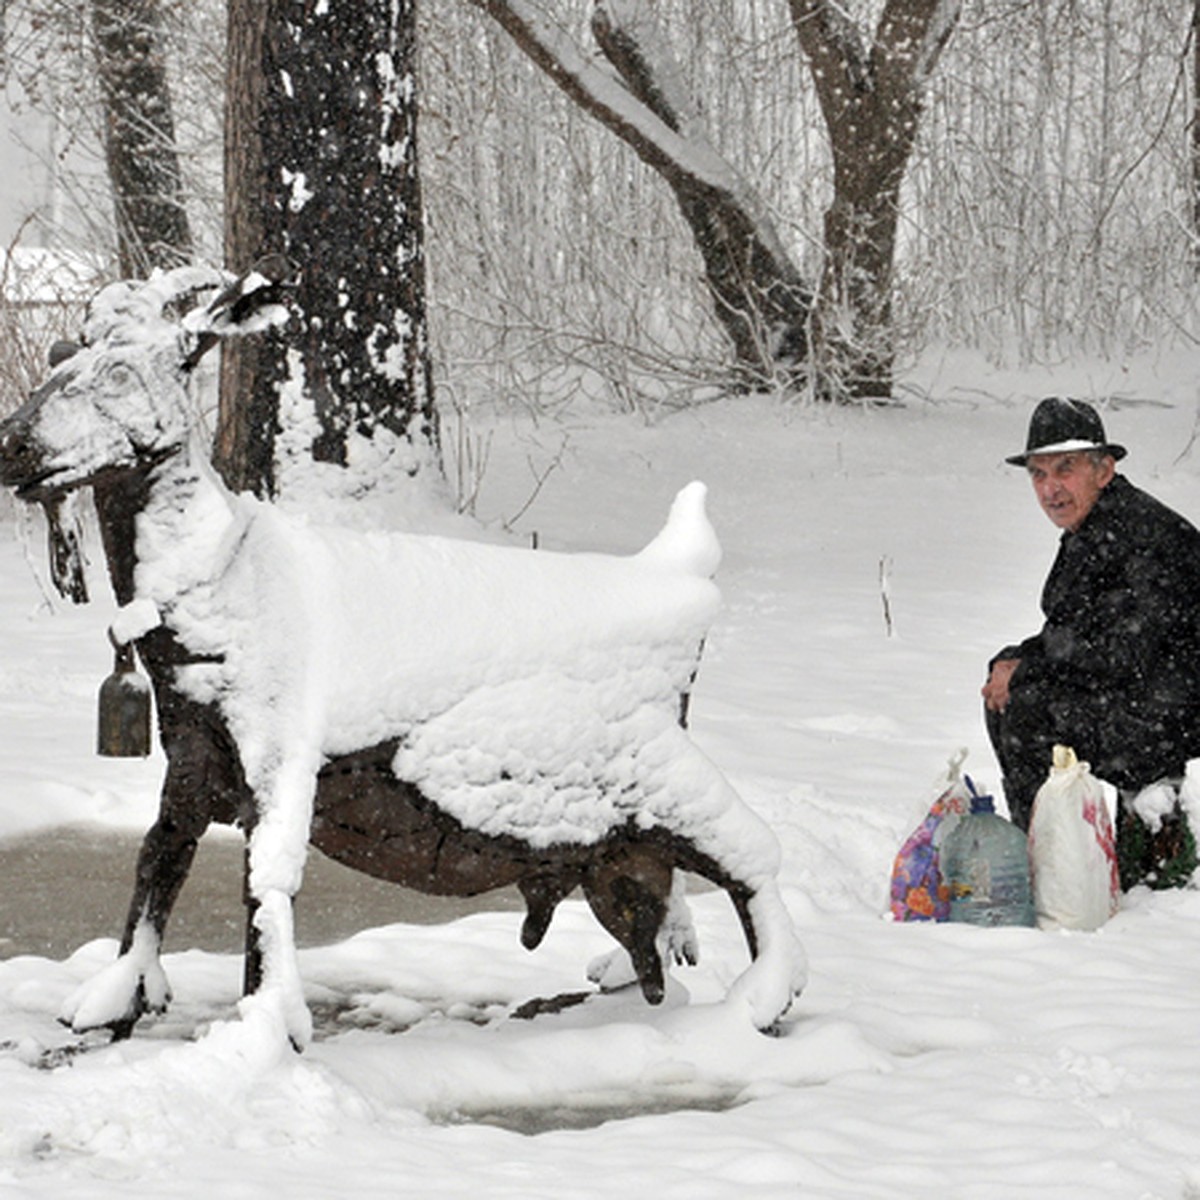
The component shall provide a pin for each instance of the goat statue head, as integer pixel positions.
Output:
(118, 401)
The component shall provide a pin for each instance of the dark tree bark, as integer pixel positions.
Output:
(759, 296)
(871, 99)
(244, 447)
(139, 136)
(321, 167)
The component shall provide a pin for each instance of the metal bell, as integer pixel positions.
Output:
(123, 729)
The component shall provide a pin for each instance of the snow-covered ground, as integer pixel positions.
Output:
(939, 1060)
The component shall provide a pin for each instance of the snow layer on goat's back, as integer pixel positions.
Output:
(531, 693)
(434, 619)
(550, 759)
(529, 688)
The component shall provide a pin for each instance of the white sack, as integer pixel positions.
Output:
(1072, 851)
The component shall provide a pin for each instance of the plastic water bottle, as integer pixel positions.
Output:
(985, 862)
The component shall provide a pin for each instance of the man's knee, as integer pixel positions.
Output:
(1023, 737)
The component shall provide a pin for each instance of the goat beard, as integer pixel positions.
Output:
(65, 544)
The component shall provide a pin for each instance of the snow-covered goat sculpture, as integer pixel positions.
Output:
(437, 712)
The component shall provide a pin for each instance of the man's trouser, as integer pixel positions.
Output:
(1122, 748)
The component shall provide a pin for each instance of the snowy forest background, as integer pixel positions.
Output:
(1049, 206)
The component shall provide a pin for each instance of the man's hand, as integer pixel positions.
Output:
(995, 691)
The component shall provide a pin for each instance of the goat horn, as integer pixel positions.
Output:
(61, 351)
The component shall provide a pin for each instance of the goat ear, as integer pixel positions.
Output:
(61, 351)
(252, 302)
(256, 299)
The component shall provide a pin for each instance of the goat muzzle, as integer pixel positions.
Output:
(20, 458)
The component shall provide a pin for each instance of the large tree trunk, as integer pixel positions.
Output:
(139, 136)
(872, 101)
(321, 167)
(244, 449)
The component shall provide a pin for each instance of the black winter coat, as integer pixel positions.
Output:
(1121, 644)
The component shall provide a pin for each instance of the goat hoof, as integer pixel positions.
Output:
(653, 990)
(117, 997)
(533, 929)
(123, 1029)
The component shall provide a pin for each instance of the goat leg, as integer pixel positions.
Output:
(628, 890)
(252, 960)
(202, 784)
(135, 983)
(283, 784)
(542, 894)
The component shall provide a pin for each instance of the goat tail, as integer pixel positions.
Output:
(687, 543)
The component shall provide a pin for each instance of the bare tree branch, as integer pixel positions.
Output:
(760, 297)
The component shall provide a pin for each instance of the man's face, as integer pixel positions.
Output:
(1067, 485)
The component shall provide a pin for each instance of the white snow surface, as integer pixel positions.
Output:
(944, 1060)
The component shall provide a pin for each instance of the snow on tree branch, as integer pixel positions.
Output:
(628, 34)
(604, 96)
(650, 111)
(937, 33)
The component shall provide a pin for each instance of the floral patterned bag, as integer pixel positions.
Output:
(919, 892)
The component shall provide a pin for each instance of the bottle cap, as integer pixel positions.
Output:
(980, 803)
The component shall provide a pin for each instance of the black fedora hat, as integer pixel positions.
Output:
(1060, 425)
